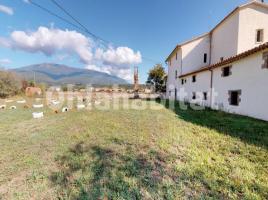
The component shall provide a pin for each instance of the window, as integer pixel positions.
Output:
(194, 95)
(205, 96)
(176, 74)
(226, 71)
(176, 56)
(265, 60)
(194, 79)
(234, 97)
(259, 35)
(182, 81)
(205, 58)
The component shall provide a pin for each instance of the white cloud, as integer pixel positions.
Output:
(52, 41)
(26, 1)
(120, 56)
(5, 61)
(6, 10)
(125, 73)
(5, 42)
(94, 67)
(122, 72)
(117, 62)
(62, 57)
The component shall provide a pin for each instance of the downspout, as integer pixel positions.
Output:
(211, 70)
(181, 62)
(211, 86)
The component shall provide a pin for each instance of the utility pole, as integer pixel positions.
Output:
(136, 83)
(34, 80)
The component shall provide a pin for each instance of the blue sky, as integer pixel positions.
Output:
(151, 27)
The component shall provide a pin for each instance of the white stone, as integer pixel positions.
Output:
(38, 106)
(55, 102)
(97, 102)
(80, 106)
(21, 102)
(37, 115)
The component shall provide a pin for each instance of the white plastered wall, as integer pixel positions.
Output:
(249, 77)
(193, 54)
(173, 82)
(201, 85)
(225, 39)
(251, 19)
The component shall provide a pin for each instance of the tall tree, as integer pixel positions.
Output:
(9, 84)
(157, 78)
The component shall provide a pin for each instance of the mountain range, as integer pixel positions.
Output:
(52, 73)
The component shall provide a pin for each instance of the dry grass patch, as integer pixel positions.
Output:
(133, 154)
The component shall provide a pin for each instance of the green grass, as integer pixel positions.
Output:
(133, 154)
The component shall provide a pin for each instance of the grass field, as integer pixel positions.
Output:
(132, 154)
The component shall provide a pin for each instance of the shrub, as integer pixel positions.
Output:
(24, 85)
(42, 86)
(9, 84)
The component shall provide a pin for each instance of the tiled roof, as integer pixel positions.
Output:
(229, 60)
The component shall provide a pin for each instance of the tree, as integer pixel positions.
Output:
(24, 85)
(31, 83)
(157, 78)
(42, 86)
(9, 84)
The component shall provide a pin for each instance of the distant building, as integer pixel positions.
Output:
(232, 60)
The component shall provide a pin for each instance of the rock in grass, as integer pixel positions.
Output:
(37, 115)
(54, 102)
(97, 102)
(38, 106)
(21, 101)
(80, 106)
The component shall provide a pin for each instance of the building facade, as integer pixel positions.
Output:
(226, 68)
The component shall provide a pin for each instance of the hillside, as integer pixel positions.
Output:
(51, 73)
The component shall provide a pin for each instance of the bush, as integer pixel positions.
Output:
(9, 84)
(43, 87)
